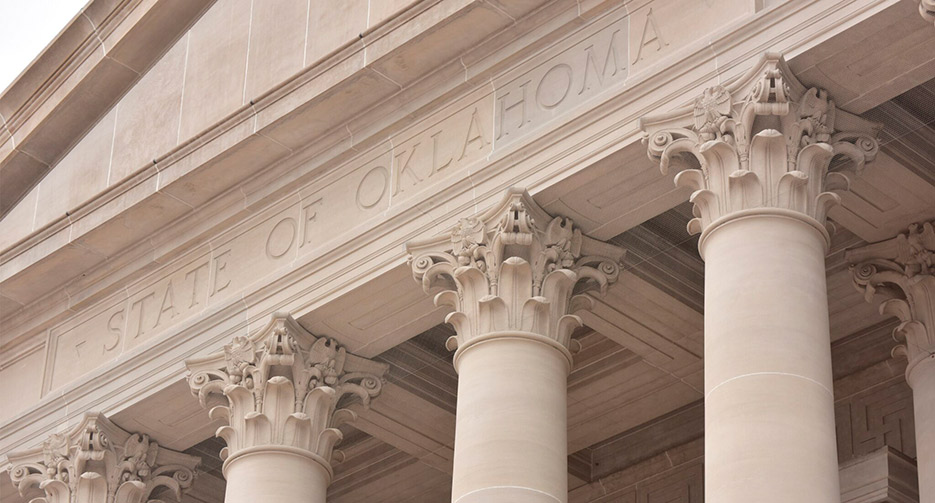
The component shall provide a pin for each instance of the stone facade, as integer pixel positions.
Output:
(478, 251)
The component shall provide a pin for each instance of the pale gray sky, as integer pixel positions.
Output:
(26, 27)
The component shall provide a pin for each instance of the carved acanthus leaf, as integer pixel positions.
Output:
(283, 386)
(514, 268)
(902, 271)
(763, 141)
(99, 462)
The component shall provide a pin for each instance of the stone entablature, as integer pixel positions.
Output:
(270, 228)
(764, 141)
(99, 462)
(514, 268)
(283, 387)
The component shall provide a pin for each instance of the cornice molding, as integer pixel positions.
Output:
(99, 462)
(109, 387)
(283, 388)
(901, 270)
(102, 52)
(514, 268)
(763, 141)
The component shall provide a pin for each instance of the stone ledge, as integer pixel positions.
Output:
(883, 476)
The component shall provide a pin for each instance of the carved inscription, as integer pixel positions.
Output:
(453, 142)
(458, 139)
(579, 72)
(650, 36)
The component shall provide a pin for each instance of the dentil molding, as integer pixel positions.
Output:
(99, 462)
(283, 387)
(514, 268)
(902, 271)
(763, 141)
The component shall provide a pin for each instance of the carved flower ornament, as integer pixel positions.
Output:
(515, 268)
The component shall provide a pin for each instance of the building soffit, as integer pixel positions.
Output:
(86, 239)
(491, 191)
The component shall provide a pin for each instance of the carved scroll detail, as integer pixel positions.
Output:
(283, 387)
(927, 9)
(99, 462)
(902, 271)
(514, 268)
(764, 141)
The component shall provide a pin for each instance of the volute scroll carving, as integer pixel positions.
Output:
(902, 271)
(764, 141)
(927, 9)
(284, 387)
(514, 268)
(99, 462)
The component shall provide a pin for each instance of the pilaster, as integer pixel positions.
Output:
(99, 462)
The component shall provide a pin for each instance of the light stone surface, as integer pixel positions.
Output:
(514, 277)
(280, 392)
(400, 120)
(762, 147)
(900, 269)
(99, 462)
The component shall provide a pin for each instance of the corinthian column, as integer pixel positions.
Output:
(282, 393)
(902, 271)
(514, 276)
(98, 462)
(757, 154)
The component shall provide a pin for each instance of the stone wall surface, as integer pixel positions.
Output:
(565, 105)
(237, 51)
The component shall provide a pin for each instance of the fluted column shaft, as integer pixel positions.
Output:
(769, 406)
(511, 433)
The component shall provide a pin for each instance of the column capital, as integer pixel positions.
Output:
(514, 268)
(902, 271)
(283, 388)
(764, 141)
(99, 462)
(927, 9)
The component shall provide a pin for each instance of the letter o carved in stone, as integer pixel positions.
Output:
(551, 94)
(372, 187)
(281, 238)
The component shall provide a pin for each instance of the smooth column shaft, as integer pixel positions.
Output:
(275, 475)
(922, 380)
(769, 408)
(511, 436)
